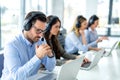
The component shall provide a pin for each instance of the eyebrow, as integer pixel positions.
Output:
(37, 28)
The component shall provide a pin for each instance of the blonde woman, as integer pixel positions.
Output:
(77, 40)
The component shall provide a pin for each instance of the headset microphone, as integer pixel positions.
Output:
(42, 39)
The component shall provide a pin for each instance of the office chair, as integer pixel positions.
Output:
(1, 63)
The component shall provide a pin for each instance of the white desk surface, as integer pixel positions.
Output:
(108, 68)
(108, 43)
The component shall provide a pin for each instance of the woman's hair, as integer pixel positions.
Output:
(92, 19)
(77, 24)
(51, 20)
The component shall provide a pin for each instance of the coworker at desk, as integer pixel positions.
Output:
(76, 40)
(51, 34)
(24, 54)
(93, 36)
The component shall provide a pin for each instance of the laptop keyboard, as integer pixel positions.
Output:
(86, 65)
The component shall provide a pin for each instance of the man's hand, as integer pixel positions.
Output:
(43, 50)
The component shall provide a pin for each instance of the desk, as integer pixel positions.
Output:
(108, 68)
(39, 75)
(108, 43)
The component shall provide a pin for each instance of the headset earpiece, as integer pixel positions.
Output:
(91, 21)
(49, 24)
(28, 22)
(78, 24)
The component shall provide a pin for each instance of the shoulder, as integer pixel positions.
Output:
(15, 41)
(72, 33)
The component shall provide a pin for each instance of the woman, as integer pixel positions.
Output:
(50, 35)
(76, 40)
(93, 36)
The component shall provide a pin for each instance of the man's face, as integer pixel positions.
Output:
(37, 30)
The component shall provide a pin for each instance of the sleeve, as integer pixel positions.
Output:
(68, 56)
(14, 64)
(64, 54)
(92, 44)
(77, 43)
(89, 43)
(49, 63)
(60, 62)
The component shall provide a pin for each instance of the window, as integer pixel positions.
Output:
(71, 10)
(12, 13)
(35, 5)
(9, 19)
(102, 12)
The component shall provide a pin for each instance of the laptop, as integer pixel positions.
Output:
(96, 57)
(68, 71)
(109, 51)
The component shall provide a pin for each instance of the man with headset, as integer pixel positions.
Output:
(24, 54)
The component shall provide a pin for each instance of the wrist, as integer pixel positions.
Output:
(38, 56)
(51, 55)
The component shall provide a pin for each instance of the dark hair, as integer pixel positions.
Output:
(31, 18)
(92, 19)
(51, 20)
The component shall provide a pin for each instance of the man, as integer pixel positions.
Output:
(24, 54)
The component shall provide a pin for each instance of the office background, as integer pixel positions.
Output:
(12, 13)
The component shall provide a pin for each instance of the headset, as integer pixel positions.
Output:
(28, 22)
(78, 24)
(93, 19)
(49, 24)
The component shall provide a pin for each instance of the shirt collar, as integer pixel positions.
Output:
(26, 41)
(92, 30)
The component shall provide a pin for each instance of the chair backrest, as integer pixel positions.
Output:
(1, 63)
(61, 37)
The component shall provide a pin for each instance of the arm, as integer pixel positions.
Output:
(49, 63)
(68, 56)
(60, 62)
(18, 69)
(44, 53)
(95, 49)
(92, 38)
(64, 54)
(77, 43)
(93, 44)
(83, 37)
